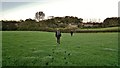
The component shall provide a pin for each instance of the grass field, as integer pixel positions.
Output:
(108, 28)
(30, 48)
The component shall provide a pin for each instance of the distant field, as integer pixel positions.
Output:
(108, 29)
(30, 48)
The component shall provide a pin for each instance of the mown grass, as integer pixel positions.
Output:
(30, 48)
(100, 29)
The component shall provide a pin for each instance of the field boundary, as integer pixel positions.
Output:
(78, 30)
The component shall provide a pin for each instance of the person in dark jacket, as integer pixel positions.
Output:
(71, 32)
(58, 35)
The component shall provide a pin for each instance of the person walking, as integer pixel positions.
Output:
(58, 35)
(71, 32)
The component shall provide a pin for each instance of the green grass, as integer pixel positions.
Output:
(108, 28)
(30, 48)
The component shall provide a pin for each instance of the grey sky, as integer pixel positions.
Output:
(87, 9)
(119, 9)
(11, 5)
(20, 0)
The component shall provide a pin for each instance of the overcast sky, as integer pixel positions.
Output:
(86, 9)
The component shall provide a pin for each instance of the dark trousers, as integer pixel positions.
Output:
(71, 34)
(58, 40)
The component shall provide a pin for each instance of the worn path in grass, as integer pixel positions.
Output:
(31, 48)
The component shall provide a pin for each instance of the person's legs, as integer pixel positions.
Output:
(58, 40)
(71, 34)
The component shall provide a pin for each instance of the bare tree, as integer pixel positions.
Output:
(39, 15)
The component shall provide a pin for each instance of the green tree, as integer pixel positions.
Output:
(28, 24)
(111, 22)
(10, 25)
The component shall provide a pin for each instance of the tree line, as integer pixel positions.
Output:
(111, 22)
(32, 24)
(41, 24)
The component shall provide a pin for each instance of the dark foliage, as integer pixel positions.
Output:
(52, 24)
(111, 22)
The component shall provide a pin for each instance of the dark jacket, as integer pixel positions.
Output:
(58, 34)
